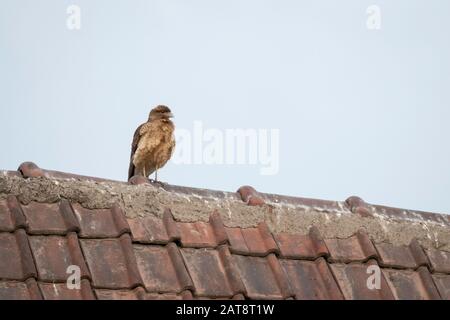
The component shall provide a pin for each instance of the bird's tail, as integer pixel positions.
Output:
(131, 170)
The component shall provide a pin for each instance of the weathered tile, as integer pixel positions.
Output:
(411, 256)
(442, 282)
(212, 272)
(106, 294)
(296, 246)
(148, 229)
(151, 229)
(54, 254)
(163, 296)
(16, 261)
(202, 234)
(197, 235)
(50, 218)
(358, 281)
(11, 214)
(311, 280)
(111, 262)
(162, 268)
(60, 291)
(252, 270)
(252, 241)
(101, 223)
(356, 248)
(440, 260)
(411, 285)
(6, 223)
(17, 290)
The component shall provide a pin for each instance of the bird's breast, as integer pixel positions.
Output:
(154, 151)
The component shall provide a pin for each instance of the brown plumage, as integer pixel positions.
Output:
(153, 143)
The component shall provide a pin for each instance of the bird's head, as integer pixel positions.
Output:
(160, 112)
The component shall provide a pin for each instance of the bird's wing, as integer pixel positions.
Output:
(134, 146)
(172, 147)
(150, 135)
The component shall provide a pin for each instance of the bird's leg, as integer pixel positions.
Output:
(156, 174)
(144, 172)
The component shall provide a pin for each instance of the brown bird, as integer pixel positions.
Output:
(153, 143)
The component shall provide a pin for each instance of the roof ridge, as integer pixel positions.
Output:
(247, 193)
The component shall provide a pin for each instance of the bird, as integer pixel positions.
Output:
(153, 143)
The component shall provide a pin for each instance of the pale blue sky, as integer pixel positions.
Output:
(360, 112)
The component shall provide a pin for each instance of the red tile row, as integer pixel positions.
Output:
(140, 258)
(63, 218)
(259, 241)
(117, 267)
(394, 283)
(32, 290)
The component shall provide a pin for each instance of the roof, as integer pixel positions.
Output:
(140, 240)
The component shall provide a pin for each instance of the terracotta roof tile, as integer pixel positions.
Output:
(358, 206)
(106, 294)
(16, 262)
(295, 246)
(442, 282)
(17, 290)
(411, 256)
(6, 221)
(101, 223)
(411, 285)
(311, 280)
(253, 269)
(30, 170)
(202, 234)
(212, 272)
(151, 229)
(250, 196)
(111, 262)
(54, 218)
(356, 248)
(11, 215)
(440, 260)
(252, 241)
(197, 235)
(164, 296)
(60, 291)
(54, 254)
(162, 268)
(239, 296)
(137, 294)
(353, 279)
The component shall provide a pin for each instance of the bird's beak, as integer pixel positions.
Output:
(170, 115)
